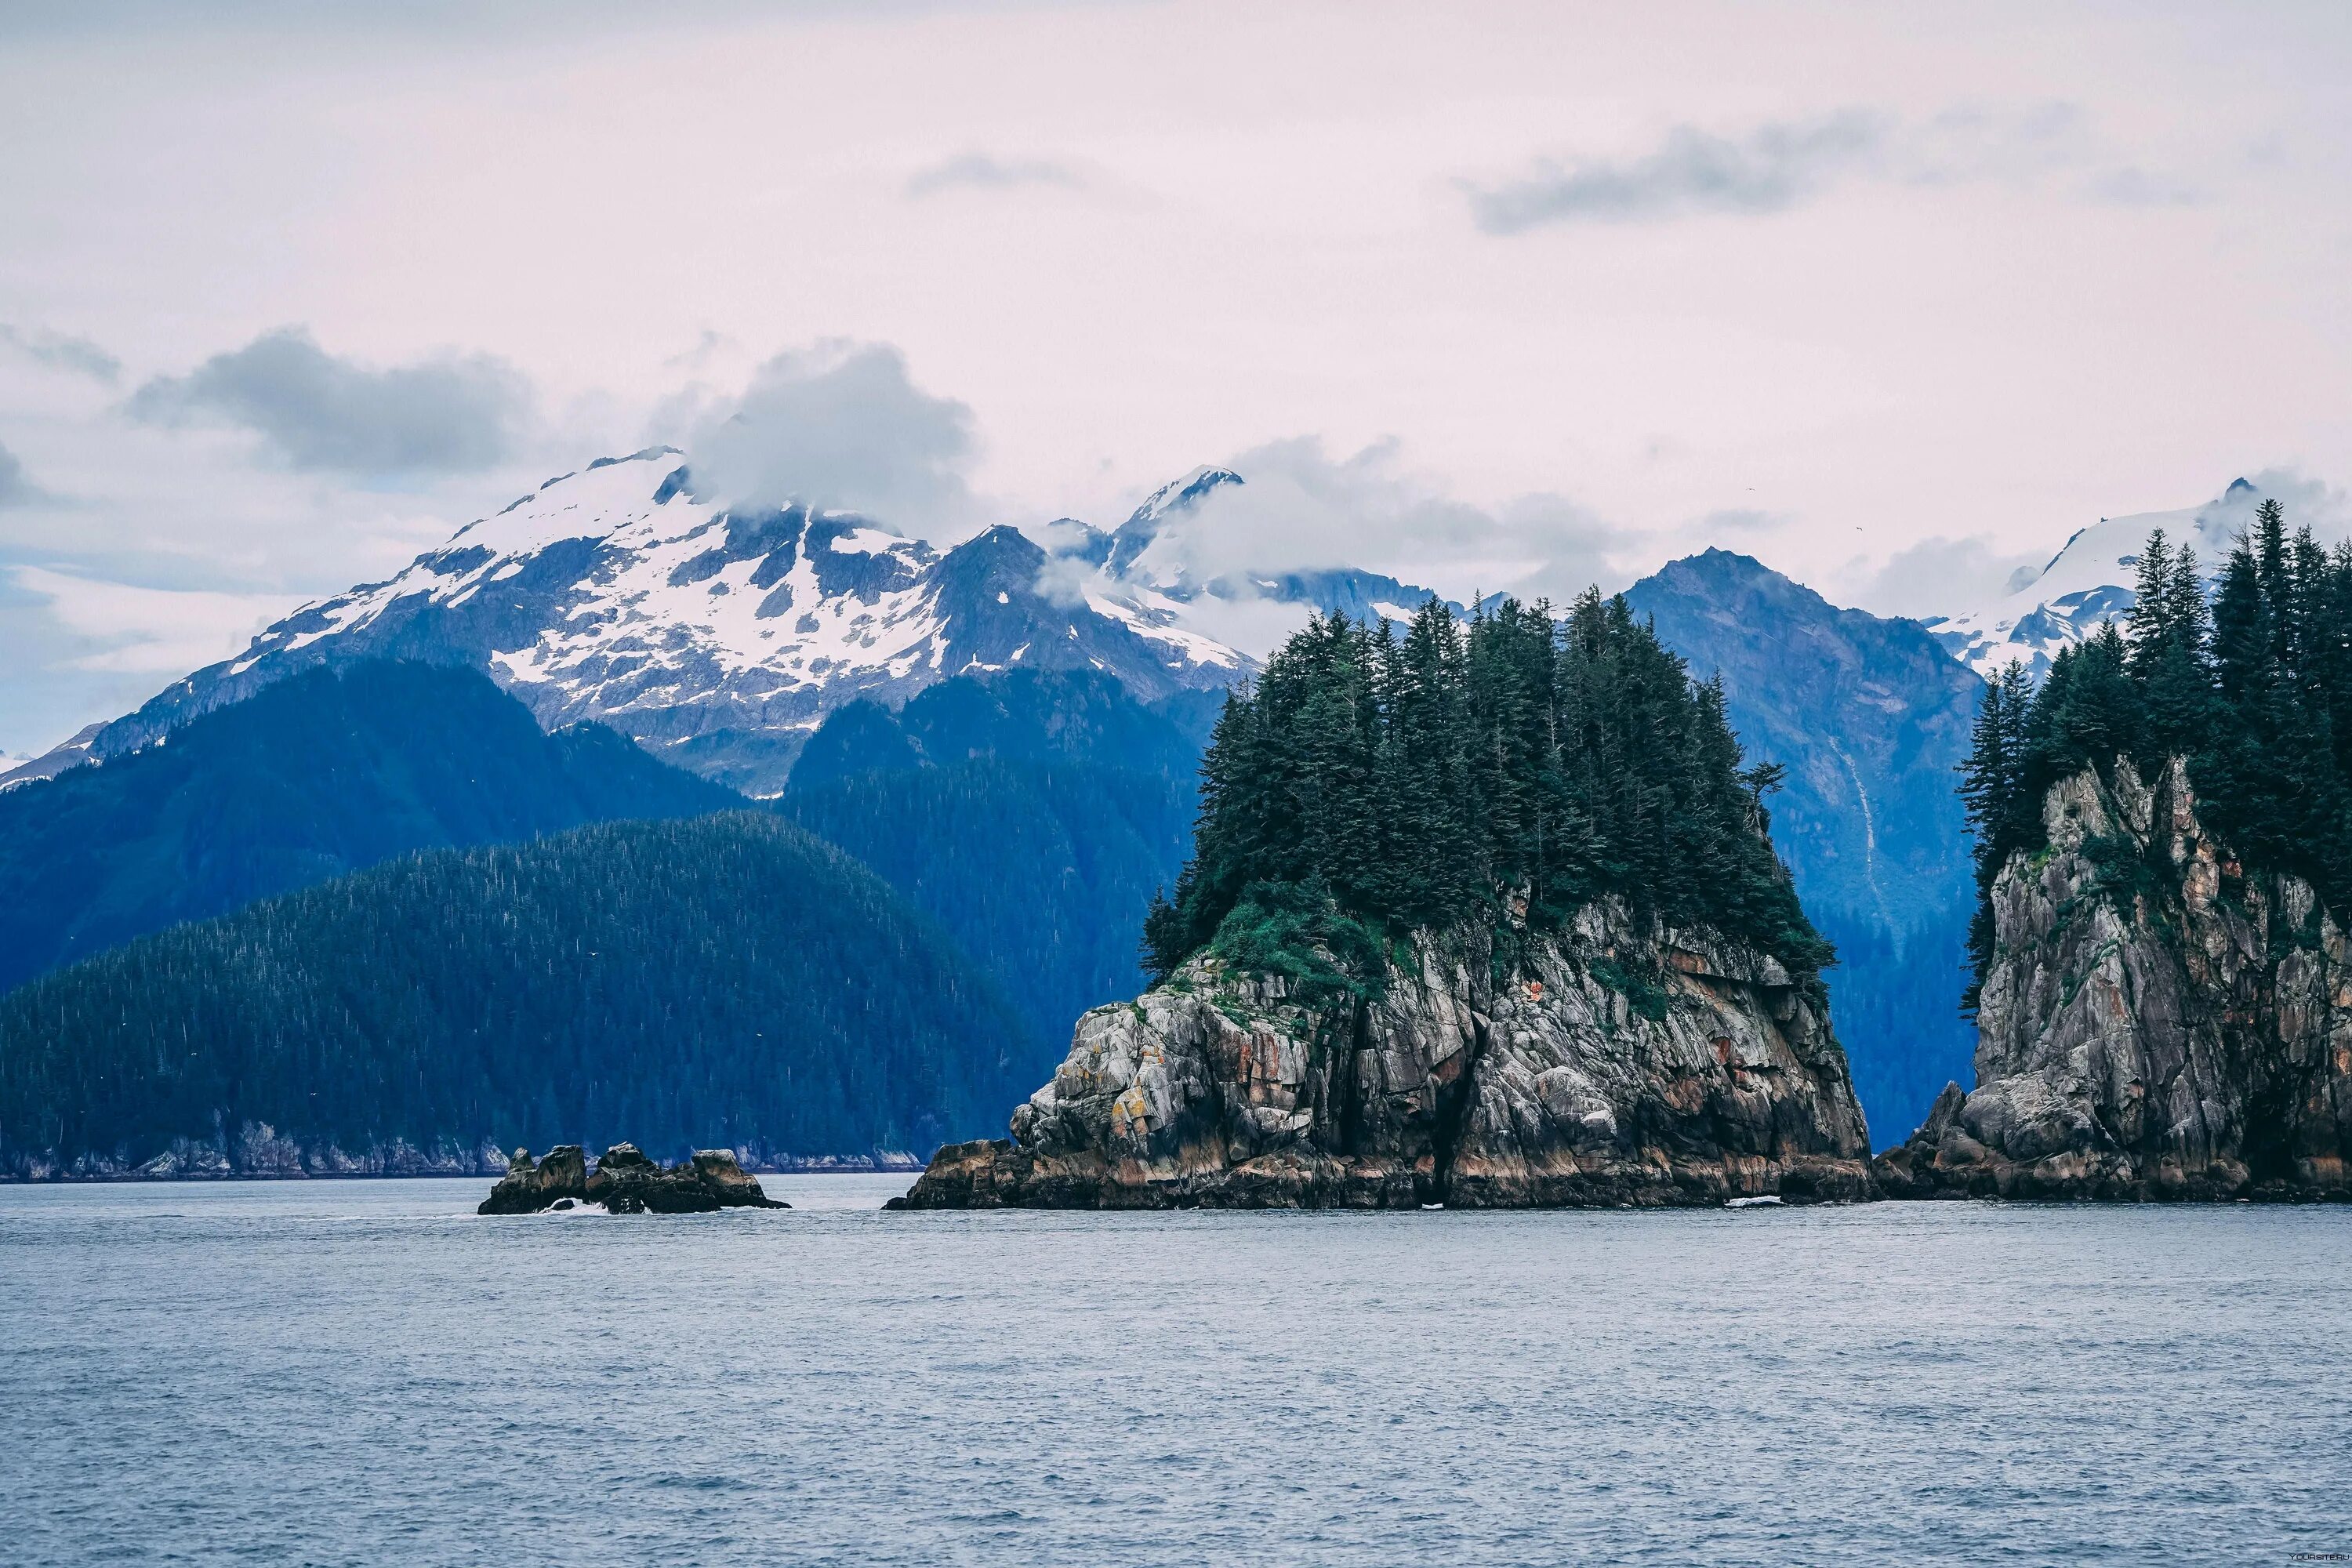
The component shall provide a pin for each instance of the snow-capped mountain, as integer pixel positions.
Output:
(2089, 581)
(719, 638)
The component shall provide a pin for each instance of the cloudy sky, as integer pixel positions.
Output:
(1893, 298)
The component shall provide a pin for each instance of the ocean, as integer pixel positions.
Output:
(366, 1372)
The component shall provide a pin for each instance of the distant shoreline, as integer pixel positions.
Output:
(236, 1179)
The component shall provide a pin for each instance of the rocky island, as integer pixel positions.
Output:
(2164, 853)
(1482, 916)
(626, 1180)
(1554, 1085)
(2157, 1021)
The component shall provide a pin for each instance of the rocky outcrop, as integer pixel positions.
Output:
(625, 1181)
(1603, 1066)
(2157, 1022)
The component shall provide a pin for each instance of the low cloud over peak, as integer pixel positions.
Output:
(1305, 510)
(444, 414)
(841, 425)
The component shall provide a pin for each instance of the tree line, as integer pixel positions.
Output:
(2252, 684)
(722, 981)
(1377, 780)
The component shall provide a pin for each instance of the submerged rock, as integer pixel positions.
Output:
(626, 1180)
(1605, 1065)
(2155, 1023)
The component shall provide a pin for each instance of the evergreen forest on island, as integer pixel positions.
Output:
(1378, 780)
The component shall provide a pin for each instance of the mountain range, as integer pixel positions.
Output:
(1004, 730)
(718, 639)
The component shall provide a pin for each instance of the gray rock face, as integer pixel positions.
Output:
(2156, 1023)
(626, 1182)
(1561, 1083)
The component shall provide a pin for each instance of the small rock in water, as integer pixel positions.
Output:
(626, 1182)
(1769, 1201)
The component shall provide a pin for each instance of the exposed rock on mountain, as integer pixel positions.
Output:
(1605, 1067)
(626, 1182)
(2156, 1022)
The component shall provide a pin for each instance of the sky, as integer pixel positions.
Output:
(1495, 297)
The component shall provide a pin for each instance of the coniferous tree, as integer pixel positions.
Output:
(2252, 688)
(1377, 783)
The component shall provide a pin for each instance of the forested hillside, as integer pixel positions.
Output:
(323, 774)
(1377, 781)
(2253, 688)
(723, 980)
(1032, 815)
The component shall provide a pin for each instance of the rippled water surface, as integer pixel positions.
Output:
(365, 1373)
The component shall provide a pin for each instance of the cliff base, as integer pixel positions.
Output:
(1605, 1065)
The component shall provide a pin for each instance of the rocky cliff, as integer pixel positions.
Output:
(1600, 1067)
(2157, 1022)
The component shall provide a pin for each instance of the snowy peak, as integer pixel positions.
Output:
(717, 637)
(720, 637)
(2089, 581)
(1173, 499)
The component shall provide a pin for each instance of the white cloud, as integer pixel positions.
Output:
(843, 426)
(144, 631)
(1299, 508)
(1941, 576)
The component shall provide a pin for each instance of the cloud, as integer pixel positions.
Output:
(62, 351)
(2132, 186)
(446, 413)
(1299, 508)
(843, 426)
(1692, 171)
(16, 487)
(1941, 576)
(122, 628)
(1781, 165)
(979, 171)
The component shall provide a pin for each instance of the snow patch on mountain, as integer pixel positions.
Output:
(720, 637)
(2089, 581)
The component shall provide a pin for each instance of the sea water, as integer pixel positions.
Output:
(366, 1372)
